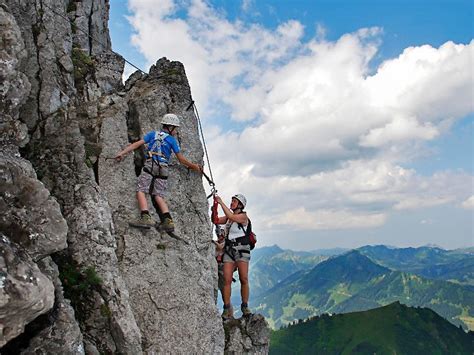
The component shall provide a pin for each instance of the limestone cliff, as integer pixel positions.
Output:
(74, 277)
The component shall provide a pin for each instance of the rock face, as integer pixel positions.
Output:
(25, 292)
(249, 335)
(170, 281)
(32, 226)
(67, 252)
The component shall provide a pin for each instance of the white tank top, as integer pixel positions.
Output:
(233, 231)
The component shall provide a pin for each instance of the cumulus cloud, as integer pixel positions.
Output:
(469, 203)
(326, 219)
(219, 55)
(322, 136)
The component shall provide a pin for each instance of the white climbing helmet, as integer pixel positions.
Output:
(170, 119)
(241, 198)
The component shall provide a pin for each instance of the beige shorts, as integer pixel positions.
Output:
(144, 182)
(236, 254)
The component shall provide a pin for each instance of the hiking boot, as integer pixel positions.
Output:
(167, 225)
(245, 310)
(228, 313)
(144, 221)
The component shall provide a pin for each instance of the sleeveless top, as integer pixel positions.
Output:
(233, 231)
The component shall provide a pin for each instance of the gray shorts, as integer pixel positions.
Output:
(235, 255)
(144, 182)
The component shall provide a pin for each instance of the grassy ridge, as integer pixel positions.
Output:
(393, 329)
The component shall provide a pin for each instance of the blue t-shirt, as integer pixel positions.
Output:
(168, 144)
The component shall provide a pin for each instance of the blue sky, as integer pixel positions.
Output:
(357, 117)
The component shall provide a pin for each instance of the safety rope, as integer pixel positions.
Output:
(195, 110)
(193, 105)
(93, 38)
(210, 180)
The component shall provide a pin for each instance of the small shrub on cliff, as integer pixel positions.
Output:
(71, 7)
(83, 63)
(78, 283)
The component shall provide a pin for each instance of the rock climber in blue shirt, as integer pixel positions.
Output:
(153, 179)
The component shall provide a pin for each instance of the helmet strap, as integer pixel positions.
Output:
(169, 128)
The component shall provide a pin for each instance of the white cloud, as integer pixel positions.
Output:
(324, 137)
(416, 202)
(433, 84)
(469, 203)
(300, 219)
(218, 55)
(399, 129)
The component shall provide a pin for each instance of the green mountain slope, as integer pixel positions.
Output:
(318, 290)
(271, 265)
(392, 329)
(450, 265)
(352, 282)
(452, 301)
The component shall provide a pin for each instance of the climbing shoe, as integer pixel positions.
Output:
(144, 221)
(228, 313)
(245, 310)
(167, 225)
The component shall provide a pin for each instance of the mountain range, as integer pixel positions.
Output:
(353, 282)
(433, 263)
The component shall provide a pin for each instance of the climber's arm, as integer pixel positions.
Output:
(186, 162)
(129, 148)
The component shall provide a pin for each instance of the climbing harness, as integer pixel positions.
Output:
(230, 245)
(250, 238)
(155, 151)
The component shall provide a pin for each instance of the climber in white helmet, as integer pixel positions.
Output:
(236, 252)
(153, 179)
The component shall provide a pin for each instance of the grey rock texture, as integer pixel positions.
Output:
(65, 204)
(25, 292)
(14, 85)
(31, 221)
(247, 335)
(62, 334)
(61, 116)
(34, 219)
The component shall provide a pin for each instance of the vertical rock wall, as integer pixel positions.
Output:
(31, 223)
(65, 109)
(61, 115)
(74, 277)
